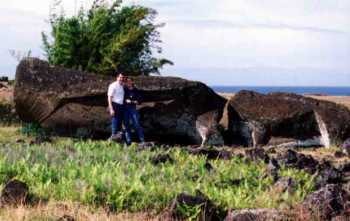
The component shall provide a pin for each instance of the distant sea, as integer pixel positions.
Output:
(332, 91)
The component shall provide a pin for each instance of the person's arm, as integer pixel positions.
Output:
(110, 106)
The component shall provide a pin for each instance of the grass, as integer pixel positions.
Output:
(101, 174)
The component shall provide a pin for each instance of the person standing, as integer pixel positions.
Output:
(116, 104)
(131, 99)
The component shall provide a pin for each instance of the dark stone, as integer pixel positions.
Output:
(208, 209)
(346, 146)
(174, 110)
(327, 174)
(254, 118)
(208, 167)
(257, 154)
(293, 159)
(66, 218)
(19, 140)
(254, 215)
(273, 166)
(211, 153)
(326, 203)
(236, 182)
(345, 167)
(41, 139)
(339, 154)
(162, 158)
(15, 192)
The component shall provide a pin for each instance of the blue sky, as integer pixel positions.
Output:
(226, 42)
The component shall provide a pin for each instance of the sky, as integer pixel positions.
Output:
(226, 42)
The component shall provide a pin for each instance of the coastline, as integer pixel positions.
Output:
(343, 100)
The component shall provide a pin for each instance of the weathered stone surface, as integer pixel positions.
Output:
(257, 154)
(162, 158)
(328, 174)
(254, 118)
(346, 146)
(14, 193)
(66, 218)
(254, 215)
(327, 203)
(291, 158)
(173, 109)
(208, 211)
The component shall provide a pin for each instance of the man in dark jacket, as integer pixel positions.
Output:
(131, 99)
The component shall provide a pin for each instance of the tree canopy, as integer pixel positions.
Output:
(105, 39)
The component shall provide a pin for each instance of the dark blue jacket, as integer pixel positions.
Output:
(133, 95)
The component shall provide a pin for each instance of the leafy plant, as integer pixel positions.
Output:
(32, 129)
(102, 173)
(106, 38)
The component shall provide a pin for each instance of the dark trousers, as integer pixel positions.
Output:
(130, 113)
(117, 118)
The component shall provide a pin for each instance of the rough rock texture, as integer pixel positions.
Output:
(257, 155)
(14, 193)
(255, 215)
(293, 159)
(346, 146)
(254, 118)
(327, 203)
(67, 100)
(208, 211)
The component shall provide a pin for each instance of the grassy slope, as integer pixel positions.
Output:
(103, 174)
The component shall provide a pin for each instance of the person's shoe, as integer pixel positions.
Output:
(116, 137)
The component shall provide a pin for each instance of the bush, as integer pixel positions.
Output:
(106, 38)
(33, 129)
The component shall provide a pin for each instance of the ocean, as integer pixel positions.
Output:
(331, 91)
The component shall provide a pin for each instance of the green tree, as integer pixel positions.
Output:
(106, 38)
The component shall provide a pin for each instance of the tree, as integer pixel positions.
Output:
(105, 39)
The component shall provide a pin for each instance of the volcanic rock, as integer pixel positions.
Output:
(327, 203)
(173, 110)
(257, 154)
(346, 147)
(254, 214)
(14, 193)
(293, 159)
(208, 211)
(254, 118)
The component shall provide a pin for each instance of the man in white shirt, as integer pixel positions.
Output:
(115, 103)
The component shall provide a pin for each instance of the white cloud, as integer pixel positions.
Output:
(233, 36)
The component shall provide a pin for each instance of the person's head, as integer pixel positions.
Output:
(129, 82)
(120, 77)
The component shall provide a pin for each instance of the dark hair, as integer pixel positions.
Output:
(119, 73)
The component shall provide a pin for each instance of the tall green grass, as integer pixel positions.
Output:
(101, 173)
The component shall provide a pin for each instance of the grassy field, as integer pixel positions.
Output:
(101, 174)
(100, 180)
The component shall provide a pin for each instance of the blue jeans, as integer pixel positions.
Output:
(117, 118)
(130, 112)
